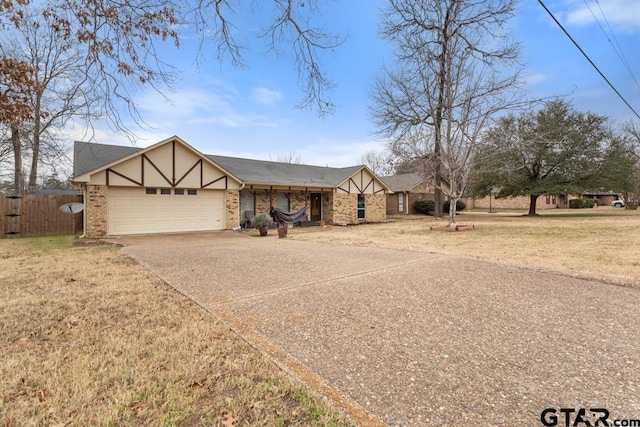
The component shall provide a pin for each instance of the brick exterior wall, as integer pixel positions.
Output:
(375, 207)
(327, 207)
(392, 202)
(519, 202)
(297, 200)
(262, 201)
(96, 211)
(232, 206)
(345, 209)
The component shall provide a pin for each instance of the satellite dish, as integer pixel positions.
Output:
(72, 208)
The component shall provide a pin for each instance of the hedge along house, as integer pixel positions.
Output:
(170, 187)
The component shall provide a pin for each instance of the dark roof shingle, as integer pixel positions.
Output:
(403, 182)
(91, 156)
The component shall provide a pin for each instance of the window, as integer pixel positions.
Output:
(361, 206)
(247, 202)
(283, 202)
(400, 202)
(151, 190)
(165, 191)
(192, 192)
(178, 191)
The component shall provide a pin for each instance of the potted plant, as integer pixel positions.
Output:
(261, 221)
(282, 230)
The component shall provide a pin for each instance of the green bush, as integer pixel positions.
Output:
(459, 206)
(582, 203)
(260, 220)
(424, 206)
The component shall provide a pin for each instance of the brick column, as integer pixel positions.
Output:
(97, 213)
(232, 205)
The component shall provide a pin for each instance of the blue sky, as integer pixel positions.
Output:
(251, 112)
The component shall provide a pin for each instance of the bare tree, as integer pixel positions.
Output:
(108, 51)
(379, 162)
(292, 157)
(455, 70)
(61, 90)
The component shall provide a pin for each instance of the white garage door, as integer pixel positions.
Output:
(139, 211)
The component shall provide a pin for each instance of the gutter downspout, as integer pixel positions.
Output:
(239, 212)
(406, 202)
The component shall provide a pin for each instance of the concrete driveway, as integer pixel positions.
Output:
(406, 338)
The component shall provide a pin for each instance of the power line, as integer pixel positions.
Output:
(589, 59)
(616, 48)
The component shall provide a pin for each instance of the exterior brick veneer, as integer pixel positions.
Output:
(519, 202)
(345, 209)
(392, 202)
(97, 213)
(232, 205)
(375, 207)
(297, 200)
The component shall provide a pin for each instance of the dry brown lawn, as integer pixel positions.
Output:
(602, 241)
(91, 338)
(88, 337)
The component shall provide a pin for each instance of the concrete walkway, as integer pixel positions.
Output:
(404, 338)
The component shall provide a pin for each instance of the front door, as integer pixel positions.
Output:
(316, 206)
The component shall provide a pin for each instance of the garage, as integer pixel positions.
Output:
(146, 210)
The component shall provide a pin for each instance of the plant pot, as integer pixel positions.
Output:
(321, 223)
(282, 232)
(263, 230)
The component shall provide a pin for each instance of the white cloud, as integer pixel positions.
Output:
(265, 96)
(539, 78)
(622, 15)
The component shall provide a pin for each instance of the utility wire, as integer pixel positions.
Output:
(589, 59)
(616, 48)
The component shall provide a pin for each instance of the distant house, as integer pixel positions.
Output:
(171, 187)
(407, 189)
(544, 201)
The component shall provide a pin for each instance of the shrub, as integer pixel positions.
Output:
(582, 203)
(260, 220)
(424, 206)
(459, 206)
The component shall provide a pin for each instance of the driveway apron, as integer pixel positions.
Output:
(411, 339)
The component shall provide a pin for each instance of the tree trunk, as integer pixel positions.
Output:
(18, 178)
(35, 157)
(533, 201)
(452, 212)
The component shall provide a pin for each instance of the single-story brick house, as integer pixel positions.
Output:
(171, 187)
(406, 189)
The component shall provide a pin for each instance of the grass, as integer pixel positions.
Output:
(601, 242)
(91, 338)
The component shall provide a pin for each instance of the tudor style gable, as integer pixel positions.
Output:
(171, 163)
(363, 181)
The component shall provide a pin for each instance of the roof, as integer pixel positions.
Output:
(88, 156)
(91, 156)
(403, 182)
(288, 174)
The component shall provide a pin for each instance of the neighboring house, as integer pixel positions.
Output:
(544, 201)
(407, 189)
(171, 187)
(603, 198)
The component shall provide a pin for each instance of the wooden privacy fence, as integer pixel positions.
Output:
(38, 215)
